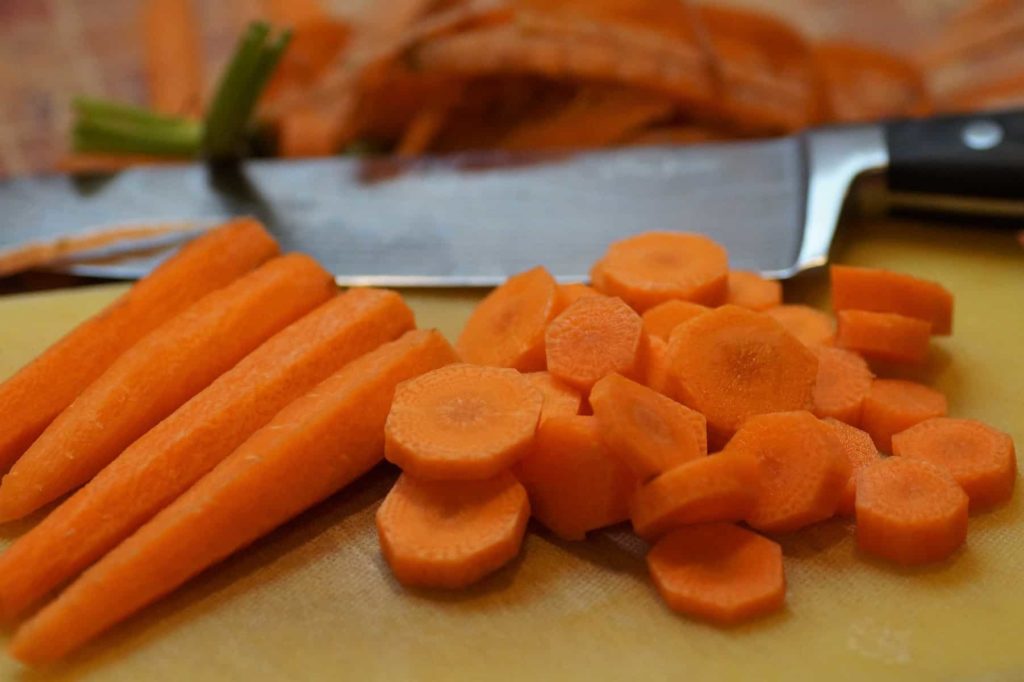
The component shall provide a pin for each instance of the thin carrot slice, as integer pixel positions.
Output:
(884, 336)
(647, 431)
(867, 84)
(804, 469)
(569, 293)
(894, 405)
(174, 67)
(657, 375)
(507, 328)
(462, 422)
(884, 291)
(593, 337)
(981, 459)
(732, 363)
(811, 327)
(158, 375)
(560, 399)
(720, 487)
(451, 534)
(178, 451)
(38, 392)
(655, 267)
(718, 572)
(909, 511)
(315, 446)
(751, 290)
(860, 451)
(575, 484)
(660, 320)
(843, 382)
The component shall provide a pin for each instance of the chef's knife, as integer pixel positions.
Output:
(474, 219)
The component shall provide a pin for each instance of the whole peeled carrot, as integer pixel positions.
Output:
(313, 447)
(178, 451)
(31, 399)
(158, 375)
(173, 57)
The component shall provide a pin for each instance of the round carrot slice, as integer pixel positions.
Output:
(660, 320)
(656, 374)
(980, 458)
(751, 290)
(462, 422)
(843, 382)
(593, 337)
(894, 405)
(861, 452)
(810, 326)
(910, 511)
(718, 572)
(451, 533)
(560, 399)
(654, 267)
(884, 336)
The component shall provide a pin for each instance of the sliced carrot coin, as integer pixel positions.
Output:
(568, 293)
(560, 399)
(843, 382)
(861, 452)
(893, 405)
(810, 326)
(593, 337)
(884, 336)
(751, 290)
(656, 375)
(884, 291)
(660, 320)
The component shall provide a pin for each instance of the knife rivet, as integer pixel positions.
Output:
(982, 135)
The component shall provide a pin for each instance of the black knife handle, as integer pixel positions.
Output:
(981, 155)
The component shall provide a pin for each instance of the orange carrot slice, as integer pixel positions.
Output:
(451, 534)
(751, 290)
(893, 405)
(311, 449)
(884, 291)
(657, 375)
(981, 459)
(861, 452)
(842, 384)
(811, 327)
(804, 469)
(909, 511)
(568, 293)
(593, 337)
(868, 84)
(307, 131)
(718, 572)
(174, 62)
(660, 320)
(884, 336)
(647, 431)
(560, 399)
(507, 328)
(462, 422)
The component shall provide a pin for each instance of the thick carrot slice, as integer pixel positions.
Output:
(568, 293)
(31, 399)
(451, 533)
(884, 336)
(884, 291)
(981, 459)
(178, 451)
(718, 572)
(316, 445)
(860, 451)
(462, 422)
(909, 511)
(174, 68)
(804, 469)
(660, 320)
(811, 327)
(751, 290)
(507, 328)
(655, 267)
(657, 375)
(720, 487)
(158, 375)
(575, 484)
(647, 431)
(843, 382)
(593, 337)
(307, 131)
(732, 363)
(560, 399)
(893, 405)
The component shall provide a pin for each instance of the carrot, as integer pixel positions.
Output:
(884, 336)
(568, 293)
(178, 451)
(884, 291)
(843, 382)
(894, 405)
(721, 487)
(560, 399)
(811, 327)
(507, 328)
(654, 267)
(751, 290)
(804, 469)
(593, 337)
(575, 484)
(292, 13)
(174, 62)
(657, 375)
(38, 392)
(861, 452)
(429, 121)
(315, 44)
(909, 511)
(692, 133)
(732, 363)
(660, 320)
(451, 534)
(158, 375)
(96, 163)
(313, 447)
(462, 422)
(981, 459)
(650, 433)
(865, 84)
(307, 131)
(718, 572)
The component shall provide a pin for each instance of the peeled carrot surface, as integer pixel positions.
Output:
(751, 290)
(173, 57)
(594, 337)
(884, 291)
(884, 336)
(893, 405)
(860, 451)
(663, 318)
(560, 399)
(843, 382)
(811, 327)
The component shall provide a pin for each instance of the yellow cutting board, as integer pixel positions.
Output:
(314, 600)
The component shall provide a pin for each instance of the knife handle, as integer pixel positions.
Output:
(979, 155)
